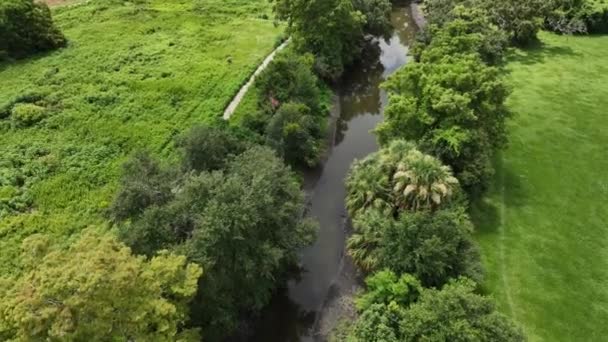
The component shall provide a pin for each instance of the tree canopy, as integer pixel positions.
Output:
(453, 313)
(26, 27)
(96, 290)
(243, 223)
(453, 106)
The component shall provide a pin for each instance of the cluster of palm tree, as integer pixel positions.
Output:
(395, 180)
(399, 177)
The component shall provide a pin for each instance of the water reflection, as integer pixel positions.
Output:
(295, 311)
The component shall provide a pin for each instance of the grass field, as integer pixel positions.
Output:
(544, 226)
(134, 75)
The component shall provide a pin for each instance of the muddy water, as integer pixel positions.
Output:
(311, 305)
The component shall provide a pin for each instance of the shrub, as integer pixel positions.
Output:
(454, 313)
(27, 114)
(208, 148)
(288, 78)
(434, 246)
(294, 133)
(26, 27)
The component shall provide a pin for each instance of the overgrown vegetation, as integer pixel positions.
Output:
(26, 27)
(134, 75)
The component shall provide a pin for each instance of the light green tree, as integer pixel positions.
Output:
(96, 290)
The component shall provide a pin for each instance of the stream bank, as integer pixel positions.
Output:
(311, 305)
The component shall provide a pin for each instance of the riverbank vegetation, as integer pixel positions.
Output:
(242, 220)
(451, 103)
(133, 75)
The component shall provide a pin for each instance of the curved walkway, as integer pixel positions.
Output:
(241, 94)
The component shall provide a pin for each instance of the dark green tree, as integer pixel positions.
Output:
(244, 224)
(330, 29)
(26, 27)
(454, 107)
(295, 134)
(208, 148)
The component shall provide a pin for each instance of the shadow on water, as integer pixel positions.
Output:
(299, 312)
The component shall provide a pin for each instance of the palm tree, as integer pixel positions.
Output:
(367, 186)
(422, 182)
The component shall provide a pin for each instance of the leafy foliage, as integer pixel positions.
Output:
(385, 287)
(95, 291)
(454, 313)
(398, 178)
(243, 224)
(453, 106)
(295, 133)
(332, 30)
(434, 246)
(26, 27)
(461, 30)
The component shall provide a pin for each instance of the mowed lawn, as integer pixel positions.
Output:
(543, 228)
(134, 75)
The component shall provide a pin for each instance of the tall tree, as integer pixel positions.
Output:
(331, 29)
(96, 290)
(454, 107)
(244, 224)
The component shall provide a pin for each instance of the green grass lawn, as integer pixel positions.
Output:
(133, 76)
(543, 228)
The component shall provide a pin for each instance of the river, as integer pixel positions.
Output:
(311, 305)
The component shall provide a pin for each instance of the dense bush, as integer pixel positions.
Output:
(244, 224)
(454, 313)
(333, 30)
(289, 78)
(293, 108)
(434, 246)
(96, 290)
(462, 30)
(295, 133)
(208, 148)
(453, 106)
(26, 27)
(27, 114)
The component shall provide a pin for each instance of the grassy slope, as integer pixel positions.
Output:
(132, 77)
(543, 227)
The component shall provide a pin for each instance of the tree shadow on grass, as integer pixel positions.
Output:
(538, 51)
(506, 191)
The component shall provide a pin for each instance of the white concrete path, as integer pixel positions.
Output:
(241, 94)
